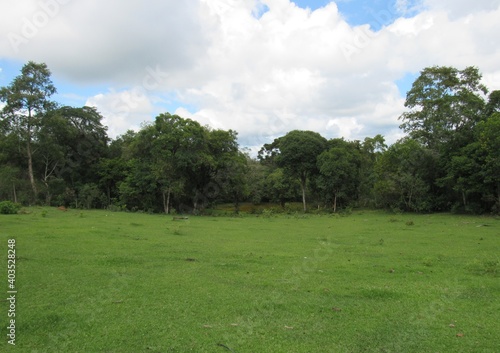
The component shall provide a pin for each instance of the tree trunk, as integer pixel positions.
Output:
(15, 193)
(335, 203)
(303, 181)
(166, 201)
(109, 195)
(498, 198)
(30, 170)
(48, 197)
(236, 205)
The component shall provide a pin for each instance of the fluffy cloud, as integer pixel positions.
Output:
(260, 67)
(124, 110)
(110, 41)
(462, 8)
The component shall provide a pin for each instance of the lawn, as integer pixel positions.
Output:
(97, 281)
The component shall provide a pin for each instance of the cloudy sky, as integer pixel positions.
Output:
(260, 67)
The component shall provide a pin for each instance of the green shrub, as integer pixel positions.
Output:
(9, 207)
(267, 213)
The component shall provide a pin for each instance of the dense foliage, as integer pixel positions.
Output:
(62, 156)
(9, 207)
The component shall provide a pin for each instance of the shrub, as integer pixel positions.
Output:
(267, 213)
(9, 207)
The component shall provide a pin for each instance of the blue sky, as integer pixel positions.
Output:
(376, 13)
(225, 66)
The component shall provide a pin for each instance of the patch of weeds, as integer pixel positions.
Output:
(133, 224)
(300, 215)
(345, 212)
(381, 242)
(267, 213)
(44, 213)
(410, 223)
(491, 267)
(427, 262)
(484, 267)
(393, 220)
(396, 211)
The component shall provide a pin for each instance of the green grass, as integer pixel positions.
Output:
(96, 281)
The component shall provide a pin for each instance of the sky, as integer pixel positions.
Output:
(259, 67)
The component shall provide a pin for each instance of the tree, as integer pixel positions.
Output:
(298, 153)
(27, 100)
(339, 169)
(371, 150)
(463, 175)
(445, 104)
(177, 147)
(9, 180)
(12, 164)
(489, 142)
(167, 158)
(232, 179)
(403, 180)
(280, 187)
(229, 168)
(493, 105)
(255, 179)
(72, 141)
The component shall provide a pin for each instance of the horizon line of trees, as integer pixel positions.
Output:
(62, 156)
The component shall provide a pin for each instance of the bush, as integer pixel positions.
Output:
(9, 207)
(267, 213)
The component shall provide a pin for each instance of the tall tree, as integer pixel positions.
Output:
(71, 142)
(12, 162)
(167, 157)
(280, 187)
(403, 180)
(339, 169)
(229, 168)
(27, 99)
(493, 105)
(298, 153)
(489, 142)
(445, 104)
(372, 149)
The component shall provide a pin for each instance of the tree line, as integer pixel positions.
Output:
(57, 155)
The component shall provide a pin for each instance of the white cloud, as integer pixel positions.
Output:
(492, 80)
(462, 8)
(98, 41)
(122, 111)
(231, 64)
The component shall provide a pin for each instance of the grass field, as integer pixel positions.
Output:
(96, 281)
